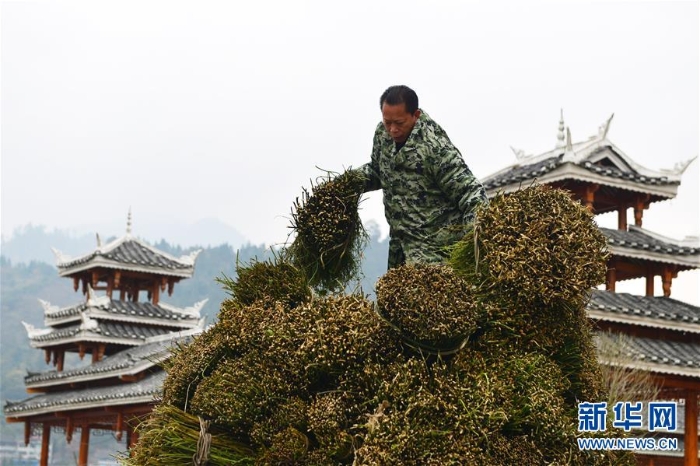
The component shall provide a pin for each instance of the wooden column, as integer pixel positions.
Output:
(45, 438)
(589, 196)
(650, 282)
(120, 426)
(61, 358)
(622, 218)
(611, 278)
(110, 286)
(639, 206)
(84, 445)
(76, 283)
(27, 432)
(122, 294)
(69, 429)
(97, 352)
(691, 428)
(666, 279)
(156, 293)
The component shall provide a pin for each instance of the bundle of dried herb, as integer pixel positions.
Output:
(169, 436)
(275, 280)
(535, 246)
(429, 304)
(329, 233)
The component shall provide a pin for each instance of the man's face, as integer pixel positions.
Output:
(398, 122)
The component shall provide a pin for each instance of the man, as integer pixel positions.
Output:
(429, 192)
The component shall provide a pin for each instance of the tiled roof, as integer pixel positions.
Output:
(104, 331)
(117, 308)
(636, 238)
(144, 391)
(655, 311)
(128, 361)
(524, 173)
(659, 356)
(131, 254)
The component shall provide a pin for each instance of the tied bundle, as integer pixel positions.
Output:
(329, 232)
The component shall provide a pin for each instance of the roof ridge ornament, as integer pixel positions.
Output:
(96, 301)
(33, 332)
(604, 128)
(48, 307)
(99, 242)
(60, 257)
(569, 154)
(128, 223)
(560, 133)
(680, 167)
(190, 258)
(87, 323)
(193, 310)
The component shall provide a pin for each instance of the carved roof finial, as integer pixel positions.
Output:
(560, 134)
(99, 241)
(128, 223)
(605, 127)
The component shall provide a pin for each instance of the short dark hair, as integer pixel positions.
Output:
(396, 95)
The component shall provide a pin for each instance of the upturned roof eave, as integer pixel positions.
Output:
(135, 400)
(642, 321)
(97, 314)
(89, 377)
(674, 258)
(99, 261)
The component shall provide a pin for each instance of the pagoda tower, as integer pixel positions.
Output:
(662, 335)
(125, 335)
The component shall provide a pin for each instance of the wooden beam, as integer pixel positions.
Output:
(84, 445)
(691, 429)
(45, 437)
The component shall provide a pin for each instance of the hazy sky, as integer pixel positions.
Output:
(191, 110)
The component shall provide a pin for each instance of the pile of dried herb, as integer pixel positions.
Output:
(329, 232)
(286, 378)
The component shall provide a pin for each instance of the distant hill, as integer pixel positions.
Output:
(34, 242)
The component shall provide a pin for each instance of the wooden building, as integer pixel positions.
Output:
(662, 335)
(126, 338)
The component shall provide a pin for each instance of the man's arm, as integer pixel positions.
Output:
(458, 182)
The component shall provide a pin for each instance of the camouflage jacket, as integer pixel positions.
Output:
(429, 192)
